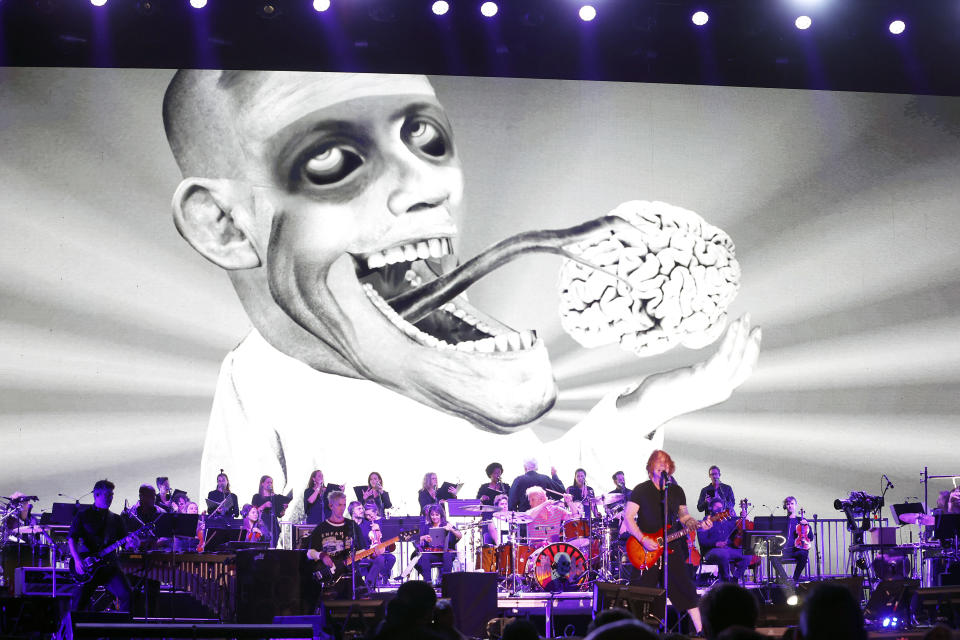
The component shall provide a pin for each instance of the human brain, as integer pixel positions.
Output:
(679, 274)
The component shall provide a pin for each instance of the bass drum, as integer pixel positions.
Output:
(558, 567)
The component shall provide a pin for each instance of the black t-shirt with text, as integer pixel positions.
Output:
(649, 498)
(336, 540)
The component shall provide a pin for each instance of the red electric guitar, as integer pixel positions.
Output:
(640, 558)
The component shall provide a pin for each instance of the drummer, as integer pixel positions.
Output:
(22, 526)
(583, 494)
(492, 532)
(547, 516)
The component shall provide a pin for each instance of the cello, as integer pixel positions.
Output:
(744, 524)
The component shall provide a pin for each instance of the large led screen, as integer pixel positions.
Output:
(222, 304)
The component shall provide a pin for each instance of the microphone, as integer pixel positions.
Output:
(664, 480)
(889, 484)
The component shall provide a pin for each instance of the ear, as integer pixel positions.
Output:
(209, 215)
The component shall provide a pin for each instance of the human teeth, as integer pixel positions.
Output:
(433, 245)
(423, 251)
(527, 339)
(514, 340)
(467, 347)
(376, 261)
(409, 252)
(502, 343)
(486, 345)
(394, 255)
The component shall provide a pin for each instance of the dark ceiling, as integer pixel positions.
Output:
(751, 43)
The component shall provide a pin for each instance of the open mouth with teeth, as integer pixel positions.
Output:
(449, 323)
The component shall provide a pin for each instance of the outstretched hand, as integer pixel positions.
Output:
(663, 396)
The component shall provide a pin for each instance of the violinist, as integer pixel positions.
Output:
(271, 507)
(374, 492)
(165, 495)
(716, 547)
(221, 502)
(253, 529)
(797, 547)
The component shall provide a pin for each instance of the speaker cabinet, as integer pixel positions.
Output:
(474, 599)
(270, 583)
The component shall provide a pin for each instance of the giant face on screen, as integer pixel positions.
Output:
(325, 195)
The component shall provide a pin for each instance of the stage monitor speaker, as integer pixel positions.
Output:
(314, 621)
(269, 584)
(854, 585)
(646, 603)
(890, 598)
(937, 604)
(474, 599)
(361, 616)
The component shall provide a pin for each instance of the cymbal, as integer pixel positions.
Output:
(916, 518)
(613, 498)
(518, 517)
(30, 528)
(480, 508)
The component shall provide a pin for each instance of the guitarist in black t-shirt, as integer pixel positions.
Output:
(93, 531)
(643, 517)
(331, 543)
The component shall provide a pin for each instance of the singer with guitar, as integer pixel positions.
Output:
(643, 517)
(797, 547)
(95, 530)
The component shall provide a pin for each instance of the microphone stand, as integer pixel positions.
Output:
(666, 552)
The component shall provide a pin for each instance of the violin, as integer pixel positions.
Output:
(694, 554)
(803, 533)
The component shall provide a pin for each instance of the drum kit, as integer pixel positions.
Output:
(583, 553)
(20, 542)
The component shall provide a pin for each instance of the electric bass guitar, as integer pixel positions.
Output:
(328, 577)
(93, 561)
(642, 559)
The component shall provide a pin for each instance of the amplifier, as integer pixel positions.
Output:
(38, 581)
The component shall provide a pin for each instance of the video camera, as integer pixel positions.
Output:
(859, 502)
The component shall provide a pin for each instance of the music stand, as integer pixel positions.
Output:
(217, 537)
(765, 544)
(947, 528)
(903, 508)
(64, 512)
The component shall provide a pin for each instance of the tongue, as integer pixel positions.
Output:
(416, 303)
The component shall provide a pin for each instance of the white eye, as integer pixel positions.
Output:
(426, 137)
(331, 165)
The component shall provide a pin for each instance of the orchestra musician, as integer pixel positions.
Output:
(332, 541)
(797, 547)
(253, 529)
(531, 478)
(442, 555)
(165, 495)
(716, 489)
(145, 511)
(583, 493)
(180, 501)
(490, 490)
(94, 530)
(430, 494)
(271, 508)
(717, 548)
(643, 517)
(620, 484)
(374, 492)
(316, 498)
(22, 523)
(380, 564)
(548, 515)
(492, 533)
(230, 508)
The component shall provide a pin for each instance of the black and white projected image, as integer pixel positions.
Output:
(258, 338)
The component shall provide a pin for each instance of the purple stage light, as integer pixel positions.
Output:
(98, 3)
(321, 5)
(440, 7)
(803, 22)
(198, 4)
(587, 13)
(897, 27)
(700, 18)
(489, 9)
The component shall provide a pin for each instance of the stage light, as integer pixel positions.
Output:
(897, 27)
(587, 13)
(489, 9)
(198, 4)
(885, 623)
(803, 22)
(793, 600)
(700, 18)
(321, 5)
(440, 7)
(98, 3)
